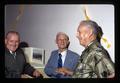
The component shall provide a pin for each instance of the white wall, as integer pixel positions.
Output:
(39, 24)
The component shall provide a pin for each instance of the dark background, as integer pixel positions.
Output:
(117, 35)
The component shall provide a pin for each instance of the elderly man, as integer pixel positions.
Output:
(95, 61)
(62, 59)
(15, 62)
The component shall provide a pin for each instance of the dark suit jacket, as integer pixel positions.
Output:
(14, 67)
(71, 61)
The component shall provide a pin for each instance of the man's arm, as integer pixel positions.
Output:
(50, 67)
(104, 66)
(28, 69)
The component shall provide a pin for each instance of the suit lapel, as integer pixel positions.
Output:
(56, 58)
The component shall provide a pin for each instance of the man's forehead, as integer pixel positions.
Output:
(62, 36)
(11, 35)
(84, 27)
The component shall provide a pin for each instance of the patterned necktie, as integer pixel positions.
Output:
(60, 61)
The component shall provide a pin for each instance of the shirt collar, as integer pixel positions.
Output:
(63, 53)
(12, 52)
(90, 43)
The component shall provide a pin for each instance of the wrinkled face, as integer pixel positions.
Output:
(62, 42)
(83, 34)
(12, 42)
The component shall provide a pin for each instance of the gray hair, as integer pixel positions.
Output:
(62, 33)
(12, 32)
(97, 30)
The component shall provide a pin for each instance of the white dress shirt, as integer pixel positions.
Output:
(64, 53)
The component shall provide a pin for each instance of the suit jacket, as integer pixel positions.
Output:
(71, 61)
(14, 67)
(95, 62)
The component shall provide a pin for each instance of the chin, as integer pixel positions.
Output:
(13, 49)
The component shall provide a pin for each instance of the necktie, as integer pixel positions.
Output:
(14, 55)
(60, 61)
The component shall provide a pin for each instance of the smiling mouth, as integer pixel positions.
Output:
(62, 44)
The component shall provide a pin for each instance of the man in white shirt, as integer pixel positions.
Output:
(62, 59)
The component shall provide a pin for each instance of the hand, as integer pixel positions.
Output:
(60, 70)
(64, 71)
(37, 74)
(111, 75)
(25, 76)
(67, 71)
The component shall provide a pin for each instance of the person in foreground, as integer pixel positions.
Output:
(95, 61)
(61, 60)
(15, 62)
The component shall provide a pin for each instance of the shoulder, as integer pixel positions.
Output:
(19, 50)
(73, 53)
(54, 51)
(20, 53)
(97, 49)
(99, 54)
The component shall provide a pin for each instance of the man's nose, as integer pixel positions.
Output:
(14, 43)
(62, 41)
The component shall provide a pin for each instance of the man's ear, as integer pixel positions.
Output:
(56, 41)
(5, 41)
(68, 44)
(90, 32)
